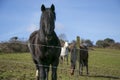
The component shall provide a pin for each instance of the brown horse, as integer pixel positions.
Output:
(83, 58)
(45, 46)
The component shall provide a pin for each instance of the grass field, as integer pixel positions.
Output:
(104, 64)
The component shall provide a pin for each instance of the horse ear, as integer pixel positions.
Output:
(52, 7)
(42, 8)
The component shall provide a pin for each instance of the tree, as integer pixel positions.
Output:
(63, 37)
(89, 42)
(105, 43)
(14, 45)
(115, 45)
(109, 41)
(100, 43)
(13, 39)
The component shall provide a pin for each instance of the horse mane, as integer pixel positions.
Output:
(33, 34)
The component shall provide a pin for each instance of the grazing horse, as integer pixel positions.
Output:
(83, 58)
(44, 45)
(64, 52)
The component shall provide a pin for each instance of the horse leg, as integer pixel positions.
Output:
(81, 68)
(72, 69)
(36, 73)
(61, 59)
(41, 73)
(87, 68)
(37, 69)
(54, 69)
(46, 72)
(54, 73)
(67, 59)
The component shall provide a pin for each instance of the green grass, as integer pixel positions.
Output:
(104, 64)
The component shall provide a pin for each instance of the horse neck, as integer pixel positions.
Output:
(41, 35)
(65, 46)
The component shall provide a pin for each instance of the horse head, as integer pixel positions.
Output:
(66, 44)
(48, 17)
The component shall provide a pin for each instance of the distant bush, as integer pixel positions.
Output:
(115, 46)
(10, 47)
(108, 43)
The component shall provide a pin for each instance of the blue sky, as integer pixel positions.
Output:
(89, 19)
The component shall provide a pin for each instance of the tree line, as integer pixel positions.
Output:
(15, 45)
(108, 43)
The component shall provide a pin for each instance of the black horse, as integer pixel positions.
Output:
(83, 58)
(45, 46)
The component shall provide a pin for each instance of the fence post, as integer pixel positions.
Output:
(78, 51)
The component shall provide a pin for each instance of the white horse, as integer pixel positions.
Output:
(64, 52)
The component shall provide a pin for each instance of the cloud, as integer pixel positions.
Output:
(32, 28)
(59, 26)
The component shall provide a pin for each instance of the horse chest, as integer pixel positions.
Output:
(48, 55)
(48, 52)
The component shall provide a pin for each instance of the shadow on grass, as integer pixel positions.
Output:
(103, 76)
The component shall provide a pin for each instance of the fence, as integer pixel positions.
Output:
(95, 70)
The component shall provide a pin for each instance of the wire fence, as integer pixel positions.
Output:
(42, 45)
(66, 69)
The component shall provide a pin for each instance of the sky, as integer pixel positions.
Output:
(89, 19)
